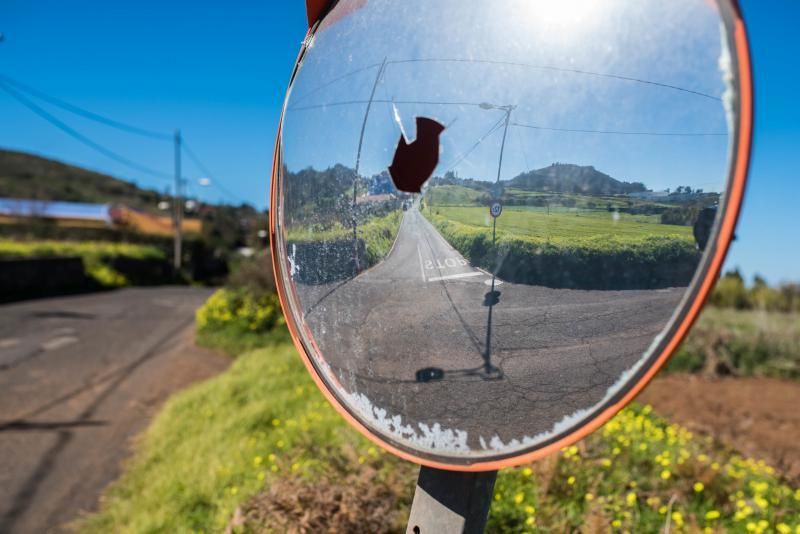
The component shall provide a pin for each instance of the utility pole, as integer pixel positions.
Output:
(178, 206)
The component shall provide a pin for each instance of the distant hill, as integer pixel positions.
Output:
(28, 176)
(570, 178)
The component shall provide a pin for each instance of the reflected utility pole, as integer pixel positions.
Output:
(492, 297)
(358, 165)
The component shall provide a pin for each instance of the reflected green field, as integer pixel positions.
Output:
(559, 222)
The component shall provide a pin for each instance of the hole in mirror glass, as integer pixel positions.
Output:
(573, 160)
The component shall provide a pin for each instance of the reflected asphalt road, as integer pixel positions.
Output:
(425, 306)
(79, 378)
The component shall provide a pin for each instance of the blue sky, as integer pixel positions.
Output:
(220, 76)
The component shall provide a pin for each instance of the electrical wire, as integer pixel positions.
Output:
(216, 183)
(620, 132)
(514, 64)
(480, 140)
(557, 69)
(83, 112)
(382, 101)
(80, 137)
(334, 80)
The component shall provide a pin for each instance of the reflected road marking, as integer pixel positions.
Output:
(451, 276)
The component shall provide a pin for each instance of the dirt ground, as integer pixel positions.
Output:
(759, 417)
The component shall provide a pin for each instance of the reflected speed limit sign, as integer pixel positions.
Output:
(495, 209)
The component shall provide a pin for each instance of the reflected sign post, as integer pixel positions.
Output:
(468, 339)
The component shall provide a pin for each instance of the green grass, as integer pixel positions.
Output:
(95, 255)
(744, 342)
(452, 195)
(218, 444)
(562, 223)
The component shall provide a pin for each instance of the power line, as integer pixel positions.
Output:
(379, 101)
(480, 140)
(78, 136)
(514, 64)
(620, 132)
(83, 112)
(216, 183)
(558, 69)
(530, 126)
(334, 80)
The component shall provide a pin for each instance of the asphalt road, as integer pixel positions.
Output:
(79, 377)
(507, 365)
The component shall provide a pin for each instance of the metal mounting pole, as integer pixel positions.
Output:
(451, 502)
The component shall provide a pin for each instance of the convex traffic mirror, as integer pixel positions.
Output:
(493, 221)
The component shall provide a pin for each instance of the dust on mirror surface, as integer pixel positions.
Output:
(571, 158)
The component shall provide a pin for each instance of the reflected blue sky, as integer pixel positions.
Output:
(559, 73)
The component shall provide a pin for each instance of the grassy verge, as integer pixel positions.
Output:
(219, 443)
(97, 256)
(258, 448)
(742, 342)
(579, 260)
(377, 233)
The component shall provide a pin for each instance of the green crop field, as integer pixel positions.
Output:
(453, 195)
(571, 249)
(536, 222)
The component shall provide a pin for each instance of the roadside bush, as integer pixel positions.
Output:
(108, 264)
(254, 275)
(743, 343)
(598, 262)
(732, 292)
(235, 320)
(326, 255)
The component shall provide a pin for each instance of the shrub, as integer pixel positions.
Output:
(591, 262)
(236, 320)
(100, 258)
(239, 312)
(741, 342)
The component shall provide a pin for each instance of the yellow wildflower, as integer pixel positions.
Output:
(712, 514)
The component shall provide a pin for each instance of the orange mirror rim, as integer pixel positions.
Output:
(699, 290)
